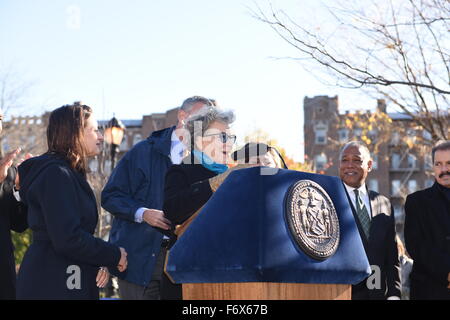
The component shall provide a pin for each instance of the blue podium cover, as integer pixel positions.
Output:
(242, 235)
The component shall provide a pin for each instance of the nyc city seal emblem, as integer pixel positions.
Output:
(312, 219)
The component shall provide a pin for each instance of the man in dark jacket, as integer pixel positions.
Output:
(134, 195)
(12, 217)
(427, 232)
(374, 218)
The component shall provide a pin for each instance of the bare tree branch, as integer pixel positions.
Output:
(399, 49)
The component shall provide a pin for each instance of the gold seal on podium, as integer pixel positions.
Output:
(312, 219)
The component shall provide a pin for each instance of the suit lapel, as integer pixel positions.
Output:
(374, 205)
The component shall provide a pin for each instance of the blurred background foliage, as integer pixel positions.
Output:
(21, 242)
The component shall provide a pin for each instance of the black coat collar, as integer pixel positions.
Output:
(162, 141)
(439, 189)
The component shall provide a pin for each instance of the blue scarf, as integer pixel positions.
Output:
(208, 163)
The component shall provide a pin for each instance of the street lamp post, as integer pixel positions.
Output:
(114, 133)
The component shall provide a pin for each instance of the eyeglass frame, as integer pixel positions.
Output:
(222, 135)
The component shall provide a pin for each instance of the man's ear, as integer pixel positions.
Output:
(369, 165)
(181, 116)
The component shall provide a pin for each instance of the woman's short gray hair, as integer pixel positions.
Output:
(198, 123)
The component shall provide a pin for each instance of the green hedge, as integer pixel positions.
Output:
(21, 242)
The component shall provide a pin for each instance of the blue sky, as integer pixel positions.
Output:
(137, 57)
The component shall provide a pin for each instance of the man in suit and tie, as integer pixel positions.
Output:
(12, 217)
(374, 217)
(427, 231)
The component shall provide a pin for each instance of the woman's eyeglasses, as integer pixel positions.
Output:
(224, 137)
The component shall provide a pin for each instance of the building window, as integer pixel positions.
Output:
(399, 214)
(374, 161)
(396, 188)
(320, 162)
(412, 186)
(343, 135)
(411, 133)
(373, 134)
(373, 185)
(412, 161)
(426, 135)
(357, 132)
(321, 131)
(6, 145)
(321, 137)
(137, 138)
(395, 139)
(32, 140)
(395, 161)
(428, 163)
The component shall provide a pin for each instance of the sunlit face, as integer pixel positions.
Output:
(212, 143)
(354, 167)
(93, 139)
(441, 167)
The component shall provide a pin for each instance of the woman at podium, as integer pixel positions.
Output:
(189, 185)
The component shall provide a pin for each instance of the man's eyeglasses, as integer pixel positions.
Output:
(224, 137)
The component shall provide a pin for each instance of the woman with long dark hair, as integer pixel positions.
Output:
(65, 260)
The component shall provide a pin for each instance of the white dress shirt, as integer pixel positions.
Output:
(177, 149)
(16, 194)
(363, 194)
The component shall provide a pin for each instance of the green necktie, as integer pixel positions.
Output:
(363, 214)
